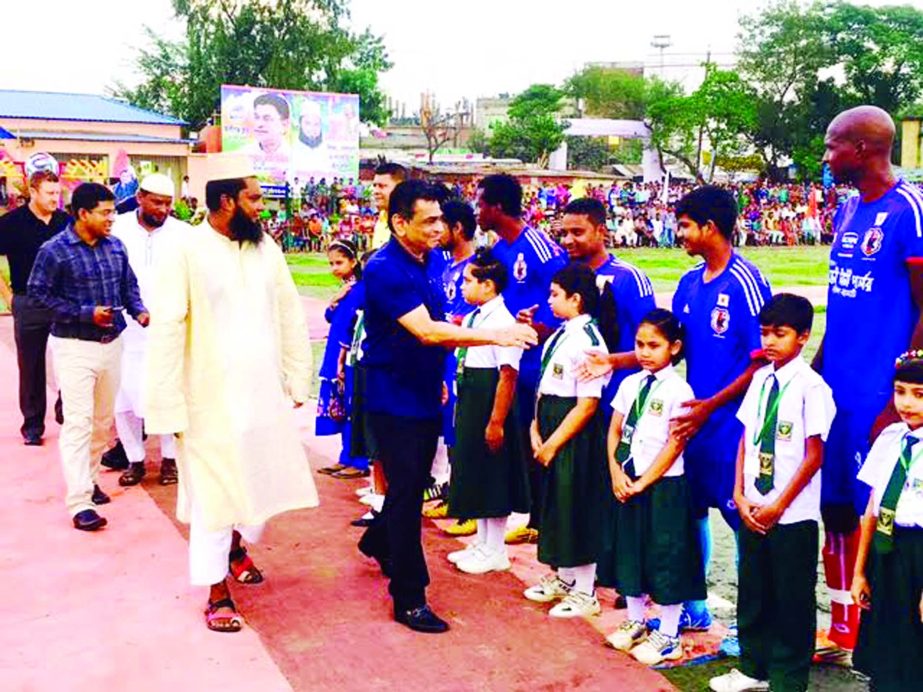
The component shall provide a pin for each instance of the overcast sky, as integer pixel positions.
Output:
(465, 48)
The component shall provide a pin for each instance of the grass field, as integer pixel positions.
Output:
(799, 266)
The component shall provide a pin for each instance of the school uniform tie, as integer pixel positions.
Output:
(463, 350)
(623, 450)
(884, 531)
(767, 453)
(550, 349)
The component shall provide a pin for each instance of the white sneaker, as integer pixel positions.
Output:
(361, 492)
(483, 560)
(467, 551)
(550, 588)
(735, 681)
(370, 498)
(576, 605)
(658, 648)
(629, 634)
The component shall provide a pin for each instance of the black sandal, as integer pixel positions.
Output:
(234, 622)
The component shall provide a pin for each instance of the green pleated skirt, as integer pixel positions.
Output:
(573, 488)
(485, 484)
(656, 549)
(890, 645)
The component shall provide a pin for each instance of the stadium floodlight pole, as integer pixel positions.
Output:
(661, 42)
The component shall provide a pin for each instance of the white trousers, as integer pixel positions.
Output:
(88, 374)
(131, 432)
(208, 550)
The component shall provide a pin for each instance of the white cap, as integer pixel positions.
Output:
(158, 184)
(229, 167)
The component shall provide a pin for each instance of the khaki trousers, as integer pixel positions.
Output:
(88, 373)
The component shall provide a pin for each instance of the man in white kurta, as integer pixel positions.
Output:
(227, 355)
(143, 232)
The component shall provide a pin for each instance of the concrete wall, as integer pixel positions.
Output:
(910, 143)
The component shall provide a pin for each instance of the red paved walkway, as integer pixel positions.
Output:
(113, 610)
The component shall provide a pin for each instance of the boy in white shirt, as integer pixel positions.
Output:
(786, 413)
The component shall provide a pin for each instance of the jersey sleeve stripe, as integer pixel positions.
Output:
(748, 290)
(914, 201)
(755, 280)
(645, 288)
(542, 252)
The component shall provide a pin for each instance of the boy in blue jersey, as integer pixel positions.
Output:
(718, 302)
(874, 304)
(531, 259)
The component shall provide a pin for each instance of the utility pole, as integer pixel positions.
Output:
(661, 42)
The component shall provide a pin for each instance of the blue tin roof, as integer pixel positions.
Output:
(96, 137)
(48, 105)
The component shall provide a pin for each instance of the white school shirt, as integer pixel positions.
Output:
(806, 409)
(652, 430)
(493, 315)
(879, 465)
(560, 378)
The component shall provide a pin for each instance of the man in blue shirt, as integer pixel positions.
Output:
(718, 302)
(531, 259)
(873, 315)
(405, 348)
(83, 277)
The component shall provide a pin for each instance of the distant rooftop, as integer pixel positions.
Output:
(47, 105)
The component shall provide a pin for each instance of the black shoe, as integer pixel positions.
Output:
(99, 497)
(59, 410)
(32, 440)
(88, 520)
(621, 602)
(364, 523)
(421, 619)
(133, 475)
(115, 458)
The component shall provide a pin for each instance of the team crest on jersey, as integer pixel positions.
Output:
(720, 320)
(871, 243)
(520, 269)
(784, 431)
(451, 291)
(657, 407)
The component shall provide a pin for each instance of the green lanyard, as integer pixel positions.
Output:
(462, 353)
(647, 400)
(907, 465)
(760, 433)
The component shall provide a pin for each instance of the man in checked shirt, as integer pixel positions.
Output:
(83, 277)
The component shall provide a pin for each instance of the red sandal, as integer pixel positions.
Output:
(222, 622)
(242, 568)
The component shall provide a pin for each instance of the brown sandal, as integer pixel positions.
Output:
(349, 474)
(223, 622)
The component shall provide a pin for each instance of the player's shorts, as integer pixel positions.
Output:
(710, 464)
(844, 453)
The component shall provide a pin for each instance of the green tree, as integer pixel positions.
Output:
(718, 114)
(610, 93)
(534, 129)
(284, 44)
(587, 153)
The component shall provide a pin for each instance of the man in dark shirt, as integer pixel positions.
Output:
(405, 349)
(83, 277)
(22, 233)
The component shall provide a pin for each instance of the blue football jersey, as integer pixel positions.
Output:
(456, 306)
(634, 298)
(721, 319)
(871, 313)
(531, 261)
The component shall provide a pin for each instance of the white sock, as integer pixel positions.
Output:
(585, 578)
(669, 619)
(567, 575)
(635, 608)
(377, 501)
(496, 533)
(481, 537)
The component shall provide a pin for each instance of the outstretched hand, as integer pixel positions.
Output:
(594, 365)
(517, 335)
(687, 424)
(527, 315)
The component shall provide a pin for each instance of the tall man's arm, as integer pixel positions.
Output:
(915, 269)
(293, 330)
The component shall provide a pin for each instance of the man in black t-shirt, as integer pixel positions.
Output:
(22, 233)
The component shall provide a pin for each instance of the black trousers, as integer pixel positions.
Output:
(31, 327)
(777, 605)
(406, 448)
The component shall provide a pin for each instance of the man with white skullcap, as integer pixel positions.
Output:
(228, 357)
(144, 232)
